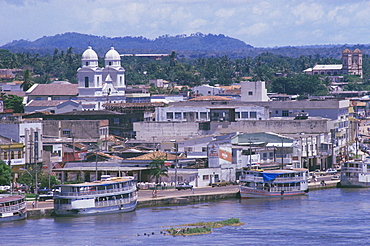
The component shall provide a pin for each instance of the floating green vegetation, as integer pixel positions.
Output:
(218, 224)
(202, 227)
(189, 231)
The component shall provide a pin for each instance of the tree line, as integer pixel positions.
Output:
(283, 74)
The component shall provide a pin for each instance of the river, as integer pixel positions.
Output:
(323, 217)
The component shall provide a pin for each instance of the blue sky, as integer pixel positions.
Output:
(261, 23)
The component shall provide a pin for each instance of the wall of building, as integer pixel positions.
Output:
(79, 129)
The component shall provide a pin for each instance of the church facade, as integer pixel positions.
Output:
(351, 65)
(100, 85)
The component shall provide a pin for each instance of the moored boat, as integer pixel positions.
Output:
(106, 196)
(355, 174)
(13, 208)
(273, 183)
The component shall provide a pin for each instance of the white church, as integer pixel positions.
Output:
(97, 85)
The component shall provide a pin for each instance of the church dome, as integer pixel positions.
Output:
(112, 54)
(89, 54)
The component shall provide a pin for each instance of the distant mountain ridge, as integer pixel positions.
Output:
(192, 46)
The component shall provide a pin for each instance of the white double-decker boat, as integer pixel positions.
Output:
(273, 183)
(13, 208)
(355, 174)
(106, 196)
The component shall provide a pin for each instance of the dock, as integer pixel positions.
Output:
(172, 197)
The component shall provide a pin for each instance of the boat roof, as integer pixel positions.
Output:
(100, 182)
(10, 198)
(294, 170)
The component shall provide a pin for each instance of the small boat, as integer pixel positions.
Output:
(355, 174)
(106, 196)
(273, 183)
(13, 208)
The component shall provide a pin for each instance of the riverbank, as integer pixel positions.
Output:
(172, 197)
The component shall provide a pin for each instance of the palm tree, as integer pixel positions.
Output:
(158, 169)
(27, 80)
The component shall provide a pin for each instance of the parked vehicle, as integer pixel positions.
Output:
(331, 171)
(183, 186)
(47, 196)
(219, 183)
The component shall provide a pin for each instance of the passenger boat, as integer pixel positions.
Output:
(355, 174)
(273, 183)
(98, 197)
(13, 208)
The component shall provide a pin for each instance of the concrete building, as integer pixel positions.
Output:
(254, 91)
(27, 132)
(207, 90)
(210, 108)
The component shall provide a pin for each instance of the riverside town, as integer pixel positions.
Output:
(105, 143)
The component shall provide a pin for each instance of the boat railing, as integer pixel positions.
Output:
(100, 203)
(351, 169)
(16, 207)
(97, 192)
(251, 178)
(115, 202)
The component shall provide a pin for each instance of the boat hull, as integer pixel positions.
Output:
(129, 207)
(5, 217)
(246, 192)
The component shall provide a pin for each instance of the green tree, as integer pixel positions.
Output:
(158, 169)
(27, 80)
(5, 174)
(13, 102)
(43, 178)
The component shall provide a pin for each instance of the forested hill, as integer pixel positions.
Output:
(192, 46)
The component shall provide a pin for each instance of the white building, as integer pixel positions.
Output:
(208, 90)
(27, 132)
(98, 85)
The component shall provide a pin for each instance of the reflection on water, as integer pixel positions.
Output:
(331, 217)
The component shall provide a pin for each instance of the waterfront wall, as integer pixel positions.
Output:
(35, 213)
(186, 199)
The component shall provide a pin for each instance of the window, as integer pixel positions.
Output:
(285, 113)
(86, 82)
(5, 155)
(19, 154)
(87, 63)
(12, 155)
(253, 115)
(204, 149)
(205, 177)
(110, 63)
(66, 132)
(244, 114)
(116, 121)
(169, 115)
(178, 115)
(203, 115)
(188, 149)
(237, 115)
(250, 93)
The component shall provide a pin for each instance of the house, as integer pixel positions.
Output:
(207, 90)
(57, 90)
(53, 106)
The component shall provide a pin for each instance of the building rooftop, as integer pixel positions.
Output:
(53, 90)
